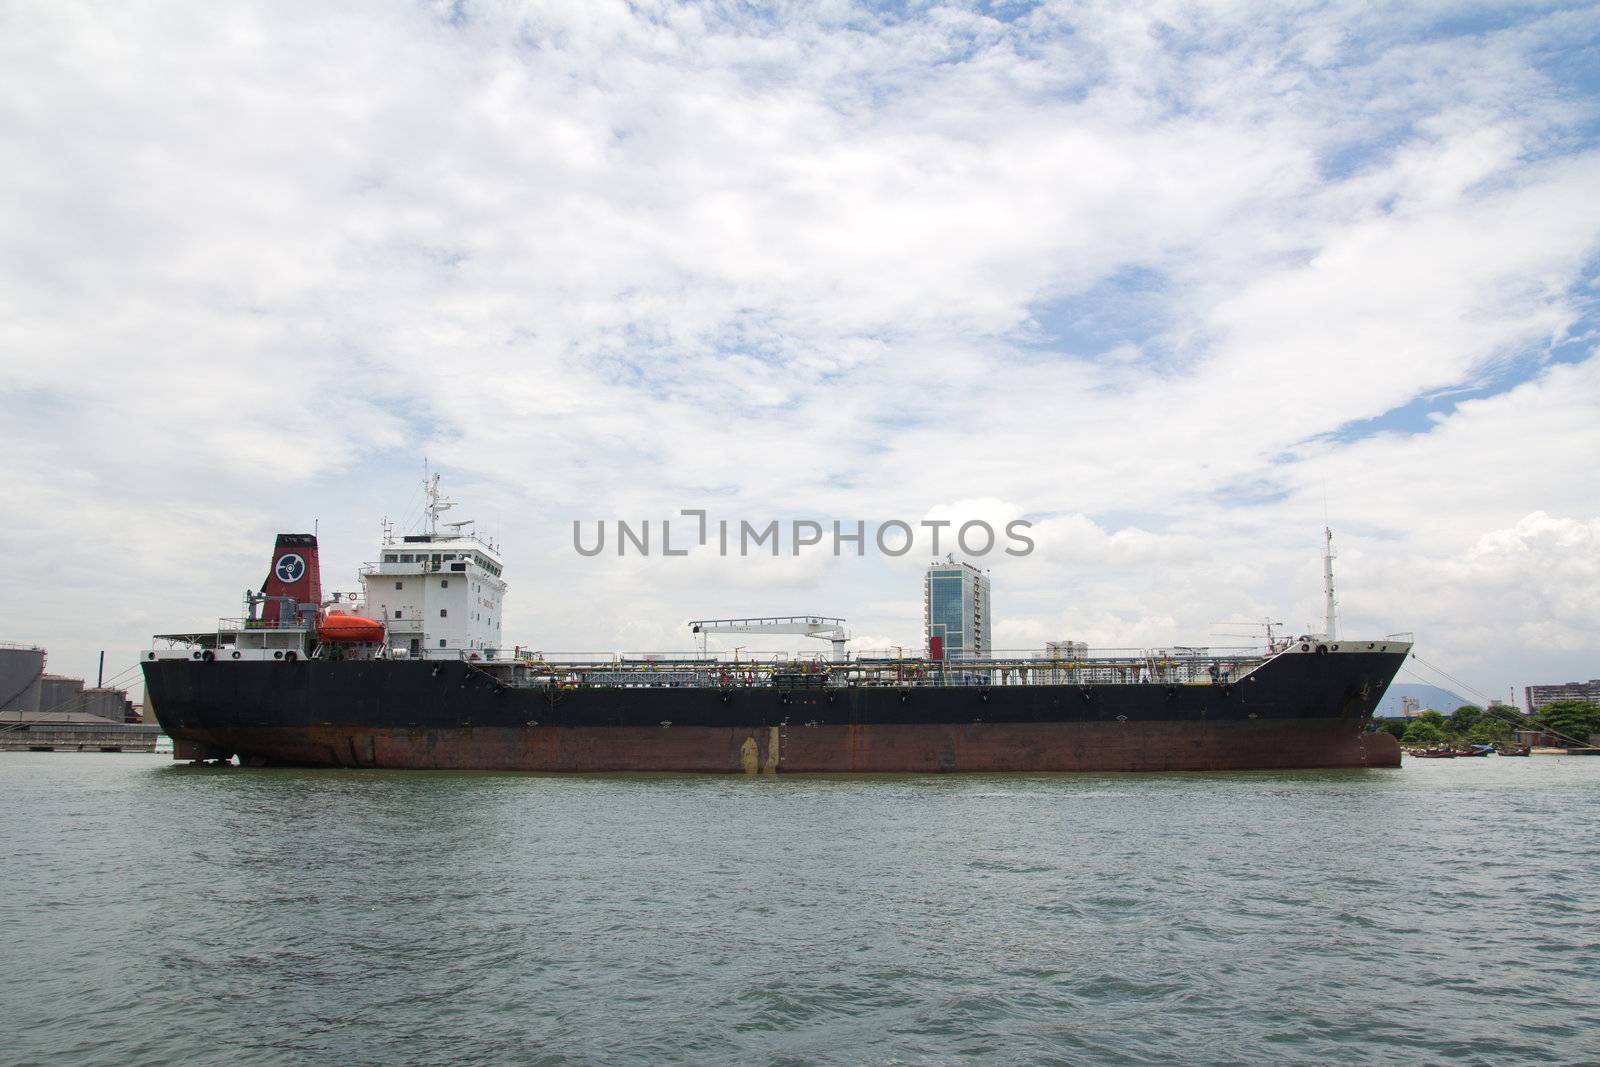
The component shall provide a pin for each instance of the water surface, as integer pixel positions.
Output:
(153, 913)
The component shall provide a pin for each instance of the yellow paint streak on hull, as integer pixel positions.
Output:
(773, 751)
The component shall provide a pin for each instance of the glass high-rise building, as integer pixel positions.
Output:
(955, 611)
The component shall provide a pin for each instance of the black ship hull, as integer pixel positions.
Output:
(1293, 711)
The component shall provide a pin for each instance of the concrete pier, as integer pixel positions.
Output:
(78, 737)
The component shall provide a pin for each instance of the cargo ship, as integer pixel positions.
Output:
(411, 673)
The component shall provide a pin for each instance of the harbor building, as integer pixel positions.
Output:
(956, 612)
(1540, 695)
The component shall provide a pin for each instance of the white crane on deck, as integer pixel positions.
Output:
(821, 627)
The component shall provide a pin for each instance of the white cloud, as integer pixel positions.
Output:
(609, 260)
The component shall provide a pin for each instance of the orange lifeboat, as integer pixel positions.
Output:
(338, 627)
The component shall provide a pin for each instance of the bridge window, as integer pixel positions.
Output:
(399, 585)
(444, 613)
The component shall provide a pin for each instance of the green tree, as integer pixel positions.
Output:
(1464, 718)
(1575, 719)
(1433, 718)
(1396, 727)
(1423, 732)
(1489, 732)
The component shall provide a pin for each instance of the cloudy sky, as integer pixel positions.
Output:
(1177, 282)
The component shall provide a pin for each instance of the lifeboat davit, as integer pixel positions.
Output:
(338, 627)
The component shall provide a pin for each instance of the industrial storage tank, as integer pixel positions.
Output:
(21, 672)
(60, 694)
(106, 703)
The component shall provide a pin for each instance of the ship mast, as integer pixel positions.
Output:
(1330, 602)
(436, 505)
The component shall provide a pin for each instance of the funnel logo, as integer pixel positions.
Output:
(290, 569)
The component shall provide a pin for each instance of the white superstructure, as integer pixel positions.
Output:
(437, 593)
(431, 595)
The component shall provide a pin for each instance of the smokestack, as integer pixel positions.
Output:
(295, 574)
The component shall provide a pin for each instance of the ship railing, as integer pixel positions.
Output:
(1108, 657)
(414, 540)
(1127, 667)
(232, 625)
(428, 566)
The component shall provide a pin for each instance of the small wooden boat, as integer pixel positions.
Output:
(1434, 753)
(1475, 750)
(1516, 750)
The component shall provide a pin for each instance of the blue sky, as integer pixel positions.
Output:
(1178, 281)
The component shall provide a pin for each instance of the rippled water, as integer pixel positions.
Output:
(152, 913)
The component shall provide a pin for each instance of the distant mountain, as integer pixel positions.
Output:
(1431, 696)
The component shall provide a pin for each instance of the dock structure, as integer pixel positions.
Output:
(44, 712)
(78, 737)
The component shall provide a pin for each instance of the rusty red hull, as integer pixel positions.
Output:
(887, 748)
